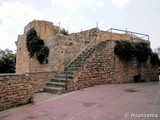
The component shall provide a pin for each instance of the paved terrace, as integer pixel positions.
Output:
(132, 101)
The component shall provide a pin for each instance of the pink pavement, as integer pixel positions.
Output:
(103, 102)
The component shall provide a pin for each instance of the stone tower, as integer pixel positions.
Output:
(45, 30)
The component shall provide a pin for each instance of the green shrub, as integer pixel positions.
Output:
(125, 50)
(7, 61)
(35, 46)
(143, 51)
(154, 60)
(64, 31)
(41, 55)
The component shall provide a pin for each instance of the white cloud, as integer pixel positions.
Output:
(99, 3)
(96, 4)
(74, 14)
(120, 3)
(1, 21)
(6, 41)
(16, 12)
(15, 16)
(76, 5)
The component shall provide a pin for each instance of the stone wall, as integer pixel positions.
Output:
(104, 35)
(104, 67)
(18, 89)
(22, 58)
(87, 34)
(62, 48)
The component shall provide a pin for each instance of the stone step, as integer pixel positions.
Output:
(71, 72)
(62, 80)
(79, 58)
(76, 62)
(56, 84)
(90, 51)
(76, 65)
(54, 90)
(73, 68)
(63, 75)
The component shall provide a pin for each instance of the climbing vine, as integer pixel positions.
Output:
(154, 60)
(36, 48)
(127, 50)
(143, 51)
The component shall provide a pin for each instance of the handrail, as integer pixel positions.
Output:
(128, 31)
(132, 33)
(80, 52)
(66, 70)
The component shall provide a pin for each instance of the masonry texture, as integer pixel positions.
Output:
(104, 67)
(62, 48)
(67, 52)
(18, 89)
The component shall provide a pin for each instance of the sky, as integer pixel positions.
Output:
(141, 16)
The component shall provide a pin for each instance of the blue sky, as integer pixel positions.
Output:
(135, 15)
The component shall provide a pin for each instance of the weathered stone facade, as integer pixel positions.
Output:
(104, 67)
(45, 30)
(62, 48)
(17, 89)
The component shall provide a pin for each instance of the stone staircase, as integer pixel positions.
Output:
(58, 84)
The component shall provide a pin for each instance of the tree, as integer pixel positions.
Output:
(7, 61)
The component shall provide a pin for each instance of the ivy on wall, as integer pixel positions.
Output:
(143, 51)
(154, 60)
(36, 48)
(127, 50)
